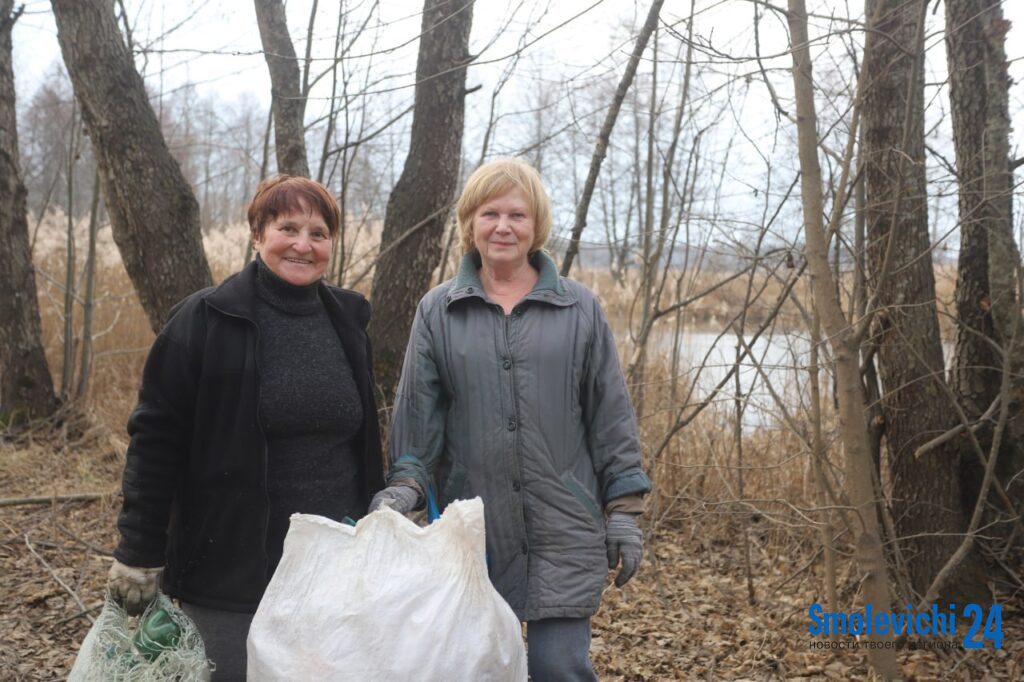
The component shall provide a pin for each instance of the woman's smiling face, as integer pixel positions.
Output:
(296, 247)
(503, 229)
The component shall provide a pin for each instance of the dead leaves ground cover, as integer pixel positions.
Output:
(686, 616)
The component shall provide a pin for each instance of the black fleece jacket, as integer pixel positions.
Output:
(195, 479)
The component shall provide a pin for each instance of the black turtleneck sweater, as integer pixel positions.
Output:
(309, 408)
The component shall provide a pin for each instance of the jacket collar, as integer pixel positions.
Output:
(550, 288)
(236, 295)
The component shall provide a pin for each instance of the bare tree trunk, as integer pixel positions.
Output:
(153, 212)
(925, 492)
(989, 263)
(26, 387)
(853, 426)
(289, 101)
(67, 373)
(336, 103)
(420, 202)
(264, 165)
(652, 245)
(606, 132)
(649, 264)
(818, 454)
(89, 298)
(858, 304)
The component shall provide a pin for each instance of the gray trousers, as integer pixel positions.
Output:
(558, 650)
(224, 634)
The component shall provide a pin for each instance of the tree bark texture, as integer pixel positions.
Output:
(153, 212)
(26, 386)
(420, 203)
(987, 282)
(288, 100)
(925, 492)
(852, 421)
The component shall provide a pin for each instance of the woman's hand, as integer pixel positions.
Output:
(624, 539)
(133, 588)
(401, 498)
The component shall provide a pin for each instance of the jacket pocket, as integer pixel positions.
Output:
(573, 485)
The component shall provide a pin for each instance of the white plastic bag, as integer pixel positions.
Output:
(385, 600)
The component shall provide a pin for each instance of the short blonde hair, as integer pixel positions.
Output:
(495, 178)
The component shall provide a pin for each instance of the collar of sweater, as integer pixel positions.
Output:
(284, 296)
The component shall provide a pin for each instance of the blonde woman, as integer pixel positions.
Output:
(512, 391)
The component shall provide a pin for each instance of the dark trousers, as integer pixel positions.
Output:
(558, 650)
(224, 634)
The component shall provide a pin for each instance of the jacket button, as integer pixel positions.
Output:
(469, 290)
(507, 364)
(523, 548)
(511, 423)
(516, 486)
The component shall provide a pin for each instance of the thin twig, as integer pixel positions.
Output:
(85, 543)
(81, 605)
(800, 571)
(957, 430)
(85, 612)
(76, 497)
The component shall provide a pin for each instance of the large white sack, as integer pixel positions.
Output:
(385, 600)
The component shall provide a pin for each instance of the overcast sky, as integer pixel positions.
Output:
(228, 27)
(215, 45)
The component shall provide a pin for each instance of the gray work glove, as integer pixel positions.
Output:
(133, 588)
(624, 539)
(400, 498)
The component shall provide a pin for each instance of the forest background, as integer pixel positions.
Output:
(814, 279)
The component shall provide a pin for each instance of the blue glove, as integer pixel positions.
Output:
(400, 498)
(625, 541)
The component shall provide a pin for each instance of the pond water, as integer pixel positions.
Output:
(706, 357)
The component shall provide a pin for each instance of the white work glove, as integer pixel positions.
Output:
(624, 539)
(400, 498)
(133, 588)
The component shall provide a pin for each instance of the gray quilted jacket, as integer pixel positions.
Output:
(530, 412)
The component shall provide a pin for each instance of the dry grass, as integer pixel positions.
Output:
(711, 312)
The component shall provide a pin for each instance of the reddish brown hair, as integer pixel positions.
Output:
(284, 194)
